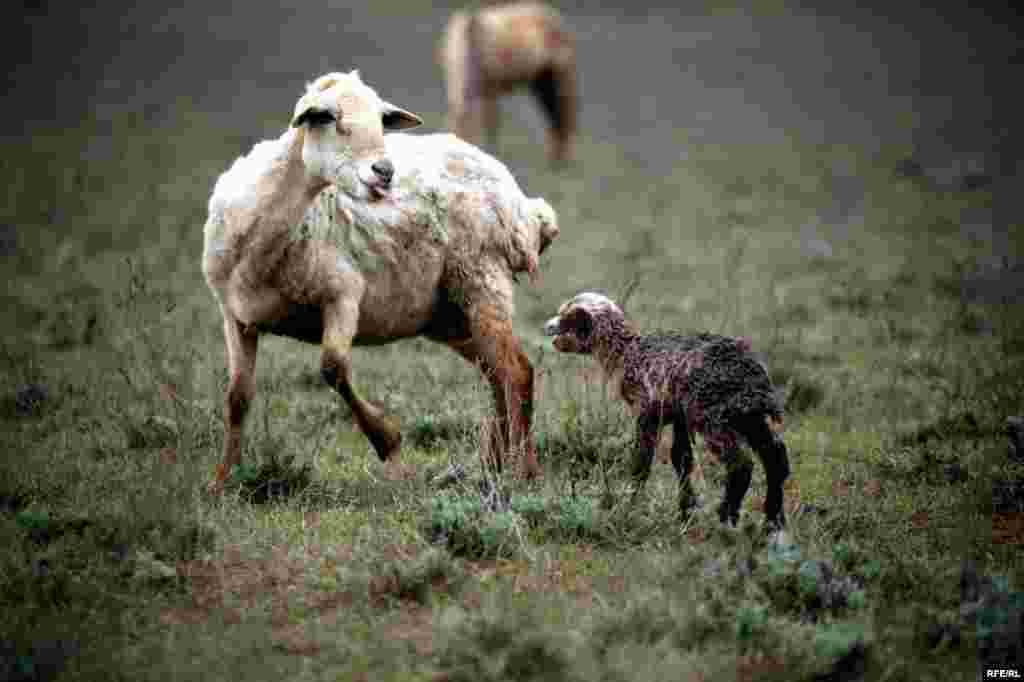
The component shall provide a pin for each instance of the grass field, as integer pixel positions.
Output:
(878, 311)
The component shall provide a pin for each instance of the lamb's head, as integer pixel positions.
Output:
(342, 121)
(577, 319)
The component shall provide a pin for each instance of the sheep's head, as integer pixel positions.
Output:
(343, 121)
(573, 327)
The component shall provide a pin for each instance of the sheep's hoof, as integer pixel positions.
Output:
(215, 487)
(386, 443)
(395, 470)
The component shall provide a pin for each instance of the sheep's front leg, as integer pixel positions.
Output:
(648, 424)
(242, 348)
(340, 321)
(494, 348)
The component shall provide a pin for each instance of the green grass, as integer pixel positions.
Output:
(889, 375)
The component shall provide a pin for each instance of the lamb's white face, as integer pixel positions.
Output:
(344, 122)
(573, 326)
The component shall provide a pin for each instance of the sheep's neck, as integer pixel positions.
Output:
(285, 192)
(611, 337)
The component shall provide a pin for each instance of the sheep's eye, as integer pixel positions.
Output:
(317, 117)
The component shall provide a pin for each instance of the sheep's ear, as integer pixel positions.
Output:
(396, 118)
(314, 116)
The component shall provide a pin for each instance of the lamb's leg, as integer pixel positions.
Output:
(648, 424)
(340, 322)
(771, 450)
(241, 351)
(739, 470)
(493, 347)
(682, 461)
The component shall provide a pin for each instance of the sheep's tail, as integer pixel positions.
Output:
(545, 221)
(544, 215)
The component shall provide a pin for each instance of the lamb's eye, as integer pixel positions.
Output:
(581, 324)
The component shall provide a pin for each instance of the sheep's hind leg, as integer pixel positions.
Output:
(555, 89)
(336, 368)
(241, 348)
(493, 347)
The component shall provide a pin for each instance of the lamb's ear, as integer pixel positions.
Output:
(396, 118)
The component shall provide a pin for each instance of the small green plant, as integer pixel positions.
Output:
(531, 507)
(749, 619)
(434, 569)
(497, 533)
(467, 529)
(430, 431)
(871, 569)
(33, 520)
(576, 516)
(451, 512)
(835, 639)
(275, 478)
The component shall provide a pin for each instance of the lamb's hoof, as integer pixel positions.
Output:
(689, 505)
(531, 472)
(727, 517)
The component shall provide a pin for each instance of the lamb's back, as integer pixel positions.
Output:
(714, 377)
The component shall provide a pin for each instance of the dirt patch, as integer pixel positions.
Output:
(556, 575)
(840, 488)
(414, 623)
(1008, 528)
(750, 668)
(225, 587)
(872, 488)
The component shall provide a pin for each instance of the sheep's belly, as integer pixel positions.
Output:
(299, 321)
